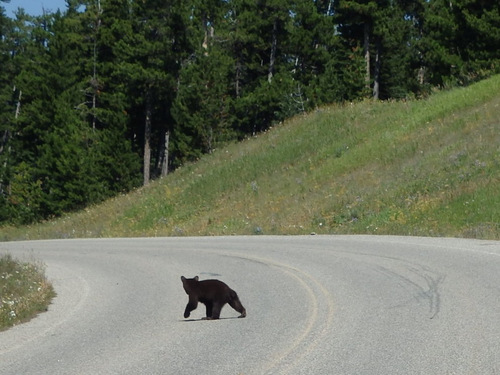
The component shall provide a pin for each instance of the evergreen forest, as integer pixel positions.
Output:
(106, 95)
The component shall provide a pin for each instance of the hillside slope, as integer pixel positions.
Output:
(428, 168)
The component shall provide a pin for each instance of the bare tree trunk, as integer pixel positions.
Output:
(94, 80)
(18, 106)
(376, 80)
(209, 32)
(237, 68)
(147, 140)
(237, 78)
(329, 11)
(421, 75)
(274, 45)
(367, 54)
(6, 134)
(5, 139)
(164, 156)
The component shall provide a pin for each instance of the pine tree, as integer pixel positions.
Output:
(68, 153)
(69, 180)
(260, 33)
(356, 21)
(202, 107)
(479, 36)
(28, 58)
(323, 70)
(6, 111)
(386, 29)
(440, 57)
(150, 55)
(395, 75)
(116, 163)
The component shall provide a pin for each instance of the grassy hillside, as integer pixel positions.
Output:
(429, 168)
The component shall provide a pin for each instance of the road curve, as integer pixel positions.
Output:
(316, 305)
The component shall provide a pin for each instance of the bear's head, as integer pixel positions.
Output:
(189, 284)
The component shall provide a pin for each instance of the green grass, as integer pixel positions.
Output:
(429, 168)
(24, 291)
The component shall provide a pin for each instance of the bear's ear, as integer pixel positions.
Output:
(196, 278)
(183, 279)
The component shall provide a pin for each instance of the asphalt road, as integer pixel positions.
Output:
(316, 305)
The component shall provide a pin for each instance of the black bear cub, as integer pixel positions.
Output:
(214, 294)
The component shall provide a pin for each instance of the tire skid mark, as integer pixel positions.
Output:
(289, 358)
(421, 282)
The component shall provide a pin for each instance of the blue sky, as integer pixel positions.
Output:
(33, 7)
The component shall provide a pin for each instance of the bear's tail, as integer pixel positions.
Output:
(235, 303)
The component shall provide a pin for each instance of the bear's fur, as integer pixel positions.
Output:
(214, 294)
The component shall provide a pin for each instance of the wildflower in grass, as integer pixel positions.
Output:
(24, 291)
(254, 186)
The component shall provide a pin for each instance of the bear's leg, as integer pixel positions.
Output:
(192, 305)
(236, 304)
(209, 306)
(217, 307)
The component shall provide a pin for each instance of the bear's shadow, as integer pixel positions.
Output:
(204, 320)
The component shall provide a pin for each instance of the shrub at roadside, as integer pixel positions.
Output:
(24, 291)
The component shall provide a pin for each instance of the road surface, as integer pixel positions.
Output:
(316, 305)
